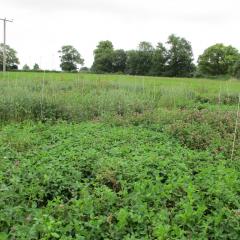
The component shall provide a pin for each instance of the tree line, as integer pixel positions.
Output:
(176, 60)
(173, 59)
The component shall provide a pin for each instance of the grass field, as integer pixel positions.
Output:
(87, 156)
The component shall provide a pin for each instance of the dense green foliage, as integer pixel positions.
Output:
(86, 156)
(219, 60)
(12, 60)
(146, 60)
(70, 58)
(36, 67)
(119, 61)
(236, 70)
(179, 58)
(103, 57)
(139, 62)
(174, 60)
(25, 67)
(94, 181)
(159, 61)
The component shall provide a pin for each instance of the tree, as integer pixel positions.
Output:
(139, 62)
(145, 58)
(145, 47)
(218, 60)
(26, 68)
(179, 57)
(70, 58)
(36, 67)
(103, 57)
(11, 58)
(159, 61)
(132, 62)
(119, 59)
(236, 70)
(84, 69)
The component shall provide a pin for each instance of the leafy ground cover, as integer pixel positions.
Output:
(94, 181)
(114, 157)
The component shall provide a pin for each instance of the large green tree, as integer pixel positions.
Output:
(132, 62)
(70, 58)
(236, 70)
(12, 60)
(36, 67)
(179, 57)
(159, 61)
(218, 60)
(25, 67)
(145, 53)
(139, 62)
(119, 59)
(103, 57)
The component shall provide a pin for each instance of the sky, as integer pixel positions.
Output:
(41, 27)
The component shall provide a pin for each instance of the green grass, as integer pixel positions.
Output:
(80, 97)
(87, 156)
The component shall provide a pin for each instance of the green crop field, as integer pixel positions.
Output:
(86, 156)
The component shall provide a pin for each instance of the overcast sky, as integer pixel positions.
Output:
(41, 27)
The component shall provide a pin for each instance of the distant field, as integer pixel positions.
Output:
(79, 97)
(86, 156)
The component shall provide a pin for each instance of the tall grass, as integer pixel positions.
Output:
(79, 97)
